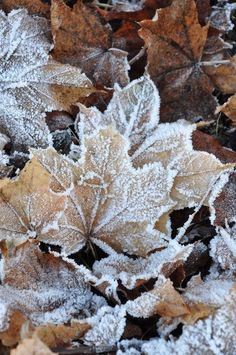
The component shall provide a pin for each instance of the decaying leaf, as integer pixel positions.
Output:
(27, 206)
(32, 346)
(44, 288)
(134, 112)
(31, 82)
(80, 38)
(163, 300)
(133, 273)
(182, 62)
(109, 202)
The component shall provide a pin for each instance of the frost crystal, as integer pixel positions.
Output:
(30, 80)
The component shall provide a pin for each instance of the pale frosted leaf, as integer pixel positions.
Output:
(107, 326)
(27, 206)
(31, 82)
(132, 272)
(32, 346)
(223, 249)
(110, 202)
(214, 335)
(163, 300)
(44, 288)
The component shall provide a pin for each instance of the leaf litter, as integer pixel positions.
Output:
(95, 167)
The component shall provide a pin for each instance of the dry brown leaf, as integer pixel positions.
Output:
(42, 287)
(163, 300)
(82, 39)
(27, 206)
(109, 202)
(33, 6)
(181, 61)
(229, 109)
(33, 346)
(59, 335)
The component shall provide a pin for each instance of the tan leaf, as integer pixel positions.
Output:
(42, 287)
(58, 335)
(163, 300)
(82, 39)
(32, 346)
(27, 206)
(31, 82)
(229, 109)
(109, 202)
(184, 77)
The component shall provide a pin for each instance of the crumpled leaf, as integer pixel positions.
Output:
(109, 202)
(134, 272)
(163, 300)
(107, 326)
(32, 82)
(134, 111)
(27, 206)
(81, 39)
(182, 61)
(33, 346)
(44, 288)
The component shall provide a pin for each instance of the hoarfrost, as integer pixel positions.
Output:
(29, 79)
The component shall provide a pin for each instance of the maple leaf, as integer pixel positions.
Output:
(134, 112)
(80, 38)
(109, 202)
(30, 81)
(27, 206)
(134, 272)
(182, 61)
(43, 287)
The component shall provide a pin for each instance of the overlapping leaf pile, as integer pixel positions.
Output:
(112, 210)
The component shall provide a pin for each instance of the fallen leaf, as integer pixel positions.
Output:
(229, 109)
(163, 300)
(182, 62)
(81, 39)
(109, 202)
(27, 206)
(32, 346)
(38, 7)
(42, 287)
(31, 82)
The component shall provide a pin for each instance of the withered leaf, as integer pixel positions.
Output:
(82, 39)
(43, 287)
(163, 300)
(134, 111)
(182, 61)
(38, 7)
(27, 206)
(133, 273)
(32, 346)
(109, 202)
(31, 82)
(229, 109)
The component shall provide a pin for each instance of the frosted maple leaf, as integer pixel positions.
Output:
(109, 202)
(42, 287)
(30, 81)
(134, 112)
